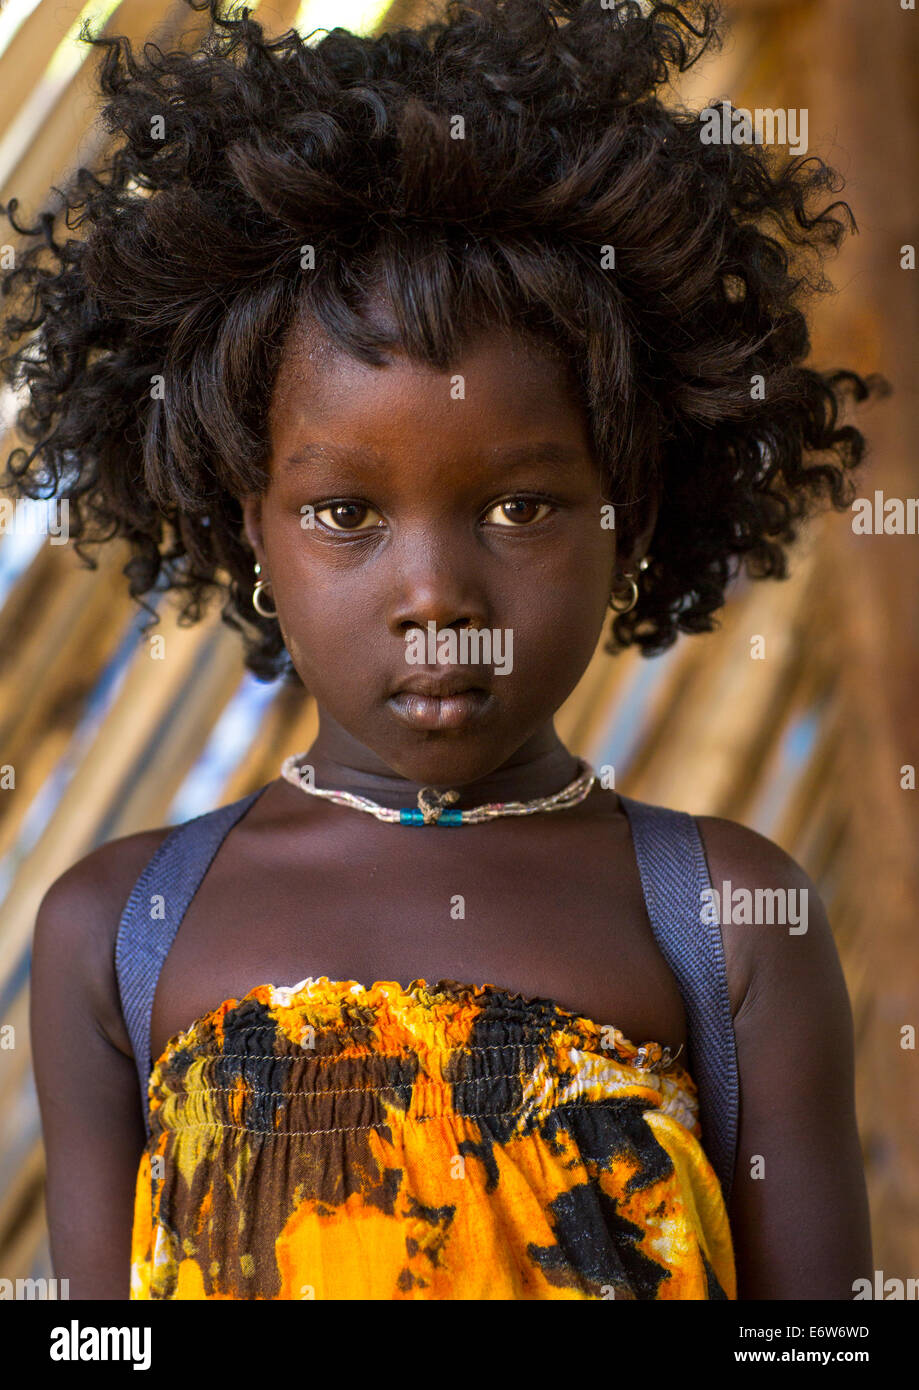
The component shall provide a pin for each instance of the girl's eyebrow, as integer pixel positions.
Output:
(319, 453)
(557, 455)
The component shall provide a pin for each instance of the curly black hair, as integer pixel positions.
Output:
(228, 160)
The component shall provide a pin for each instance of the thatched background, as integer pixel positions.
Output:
(806, 746)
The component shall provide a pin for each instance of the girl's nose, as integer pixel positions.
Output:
(449, 594)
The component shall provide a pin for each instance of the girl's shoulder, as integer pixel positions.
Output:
(774, 925)
(79, 916)
(77, 924)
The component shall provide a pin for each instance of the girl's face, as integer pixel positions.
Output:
(405, 502)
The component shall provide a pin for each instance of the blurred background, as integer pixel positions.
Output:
(810, 746)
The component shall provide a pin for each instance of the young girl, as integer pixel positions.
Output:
(430, 349)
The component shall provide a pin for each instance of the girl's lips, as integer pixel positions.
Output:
(439, 711)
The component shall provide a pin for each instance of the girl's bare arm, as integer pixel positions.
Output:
(87, 1085)
(799, 1207)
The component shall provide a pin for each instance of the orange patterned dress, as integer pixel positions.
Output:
(449, 1141)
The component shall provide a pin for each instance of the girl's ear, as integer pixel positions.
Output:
(639, 544)
(252, 524)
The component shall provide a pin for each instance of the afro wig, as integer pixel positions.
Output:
(478, 170)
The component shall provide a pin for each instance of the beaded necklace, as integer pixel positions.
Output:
(433, 806)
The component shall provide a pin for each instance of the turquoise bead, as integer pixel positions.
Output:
(414, 817)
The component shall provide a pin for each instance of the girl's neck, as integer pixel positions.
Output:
(540, 767)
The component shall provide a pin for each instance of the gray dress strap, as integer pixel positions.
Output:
(151, 918)
(674, 875)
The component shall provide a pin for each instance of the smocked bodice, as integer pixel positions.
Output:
(331, 1140)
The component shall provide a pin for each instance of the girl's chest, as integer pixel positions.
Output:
(552, 912)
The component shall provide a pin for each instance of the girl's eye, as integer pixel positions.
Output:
(518, 511)
(349, 516)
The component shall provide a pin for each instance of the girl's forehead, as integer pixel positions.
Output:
(501, 387)
(313, 363)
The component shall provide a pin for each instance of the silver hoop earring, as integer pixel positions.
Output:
(258, 596)
(632, 580)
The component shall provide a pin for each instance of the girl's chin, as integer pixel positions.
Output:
(446, 758)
